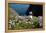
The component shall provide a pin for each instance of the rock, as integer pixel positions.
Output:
(40, 19)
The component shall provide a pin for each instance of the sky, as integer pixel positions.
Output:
(20, 8)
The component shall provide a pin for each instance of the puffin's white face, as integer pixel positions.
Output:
(30, 15)
(30, 12)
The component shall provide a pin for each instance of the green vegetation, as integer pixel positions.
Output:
(35, 22)
(24, 25)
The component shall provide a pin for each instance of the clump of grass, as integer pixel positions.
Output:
(35, 22)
